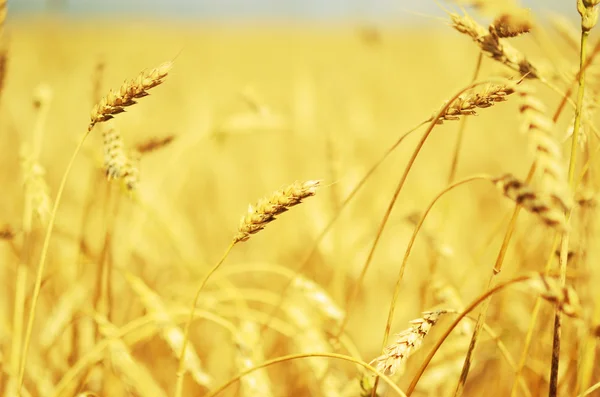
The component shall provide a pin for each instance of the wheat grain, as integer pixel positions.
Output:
(565, 297)
(114, 153)
(512, 25)
(535, 202)
(154, 144)
(408, 341)
(466, 104)
(268, 208)
(116, 101)
(493, 45)
(589, 14)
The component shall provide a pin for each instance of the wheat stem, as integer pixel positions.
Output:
(292, 357)
(461, 129)
(390, 318)
(564, 246)
(432, 124)
(133, 327)
(42, 263)
(481, 318)
(343, 205)
(462, 315)
(186, 333)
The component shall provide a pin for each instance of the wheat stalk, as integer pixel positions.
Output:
(254, 221)
(108, 106)
(116, 101)
(268, 208)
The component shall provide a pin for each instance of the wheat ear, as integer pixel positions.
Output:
(533, 201)
(114, 153)
(394, 356)
(268, 208)
(131, 171)
(490, 42)
(154, 144)
(564, 297)
(548, 152)
(116, 101)
(512, 24)
(466, 104)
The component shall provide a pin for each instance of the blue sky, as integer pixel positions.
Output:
(266, 9)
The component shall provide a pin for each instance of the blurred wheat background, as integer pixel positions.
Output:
(250, 108)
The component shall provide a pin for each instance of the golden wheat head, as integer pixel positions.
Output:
(468, 103)
(407, 342)
(492, 44)
(549, 211)
(268, 208)
(564, 297)
(512, 25)
(116, 101)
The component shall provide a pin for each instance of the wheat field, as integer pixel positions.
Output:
(192, 124)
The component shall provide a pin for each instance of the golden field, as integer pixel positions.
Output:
(252, 109)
